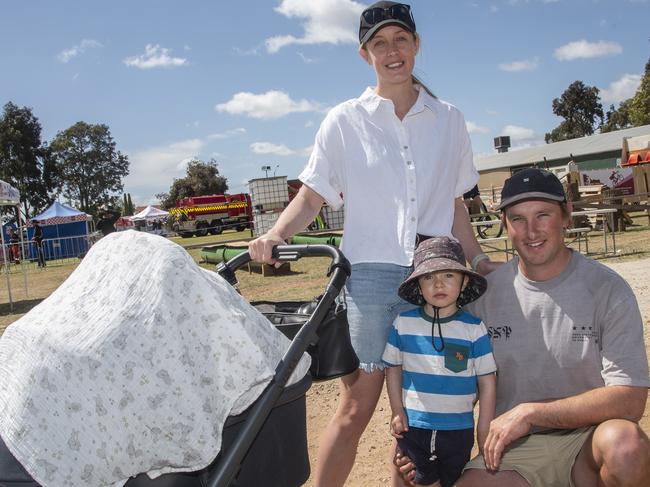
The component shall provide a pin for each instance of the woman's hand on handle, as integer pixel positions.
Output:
(261, 248)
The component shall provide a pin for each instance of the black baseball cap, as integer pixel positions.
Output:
(381, 14)
(531, 184)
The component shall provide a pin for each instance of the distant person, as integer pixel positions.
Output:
(474, 202)
(439, 362)
(108, 216)
(38, 243)
(14, 245)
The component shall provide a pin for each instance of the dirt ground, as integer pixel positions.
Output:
(371, 467)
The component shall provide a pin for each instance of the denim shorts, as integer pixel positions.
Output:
(373, 305)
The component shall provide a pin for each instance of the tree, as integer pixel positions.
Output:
(617, 118)
(89, 168)
(581, 109)
(640, 104)
(24, 160)
(202, 178)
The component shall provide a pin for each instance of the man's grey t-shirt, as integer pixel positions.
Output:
(558, 338)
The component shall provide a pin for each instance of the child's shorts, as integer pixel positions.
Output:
(437, 454)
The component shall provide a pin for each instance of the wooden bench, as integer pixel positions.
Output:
(490, 244)
(579, 235)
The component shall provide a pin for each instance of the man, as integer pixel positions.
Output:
(567, 336)
(38, 242)
(107, 218)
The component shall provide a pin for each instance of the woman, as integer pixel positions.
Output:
(402, 160)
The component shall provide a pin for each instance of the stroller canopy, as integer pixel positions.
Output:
(132, 365)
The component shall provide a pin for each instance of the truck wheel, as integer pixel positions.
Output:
(201, 229)
(215, 227)
(186, 234)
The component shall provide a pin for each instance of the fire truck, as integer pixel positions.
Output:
(200, 215)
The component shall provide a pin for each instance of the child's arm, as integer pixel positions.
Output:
(398, 423)
(487, 393)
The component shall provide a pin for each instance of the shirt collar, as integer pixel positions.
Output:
(371, 101)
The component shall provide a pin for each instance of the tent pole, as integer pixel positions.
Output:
(22, 246)
(6, 269)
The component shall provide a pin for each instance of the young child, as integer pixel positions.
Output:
(436, 355)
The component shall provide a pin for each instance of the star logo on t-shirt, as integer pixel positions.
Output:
(459, 356)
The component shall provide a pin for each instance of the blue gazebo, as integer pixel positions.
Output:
(65, 231)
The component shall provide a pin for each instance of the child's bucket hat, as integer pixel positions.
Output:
(441, 254)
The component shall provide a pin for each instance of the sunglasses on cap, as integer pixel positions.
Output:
(400, 12)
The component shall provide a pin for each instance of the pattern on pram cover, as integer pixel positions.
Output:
(132, 365)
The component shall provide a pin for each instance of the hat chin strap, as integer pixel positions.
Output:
(436, 319)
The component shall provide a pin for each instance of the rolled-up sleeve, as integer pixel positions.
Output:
(324, 171)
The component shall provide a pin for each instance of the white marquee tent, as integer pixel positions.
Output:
(149, 213)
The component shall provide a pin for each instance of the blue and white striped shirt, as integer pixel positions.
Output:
(439, 388)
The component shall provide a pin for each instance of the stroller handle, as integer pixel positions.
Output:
(338, 272)
(290, 253)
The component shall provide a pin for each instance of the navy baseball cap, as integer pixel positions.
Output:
(531, 183)
(381, 14)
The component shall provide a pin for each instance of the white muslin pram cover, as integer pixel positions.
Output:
(132, 365)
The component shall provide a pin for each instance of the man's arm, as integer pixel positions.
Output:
(589, 408)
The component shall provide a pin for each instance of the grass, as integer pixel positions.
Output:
(305, 279)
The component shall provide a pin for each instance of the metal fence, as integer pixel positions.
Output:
(55, 250)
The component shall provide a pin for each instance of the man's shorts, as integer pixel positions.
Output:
(437, 454)
(544, 459)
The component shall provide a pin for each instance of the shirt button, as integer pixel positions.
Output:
(412, 199)
(406, 147)
(412, 219)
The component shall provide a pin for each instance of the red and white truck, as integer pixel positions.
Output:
(200, 215)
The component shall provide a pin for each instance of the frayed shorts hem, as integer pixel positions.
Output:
(369, 368)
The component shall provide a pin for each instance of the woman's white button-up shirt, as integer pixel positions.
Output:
(397, 177)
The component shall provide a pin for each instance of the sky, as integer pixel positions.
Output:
(248, 82)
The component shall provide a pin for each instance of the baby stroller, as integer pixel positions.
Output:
(266, 444)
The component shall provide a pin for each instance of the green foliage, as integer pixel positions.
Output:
(640, 104)
(89, 168)
(126, 207)
(202, 178)
(617, 118)
(581, 109)
(24, 161)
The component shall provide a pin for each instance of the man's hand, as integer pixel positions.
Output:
(505, 429)
(398, 424)
(405, 467)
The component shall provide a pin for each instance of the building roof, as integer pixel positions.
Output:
(593, 144)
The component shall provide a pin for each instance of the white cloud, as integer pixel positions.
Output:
(155, 57)
(228, 133)
(474, 128)
(621, 89)
(267, 106)
(325, 22)
(154, 169)
(67, 54)
(270, 148)
(516, 66)
(517, 133)
(584, 49)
